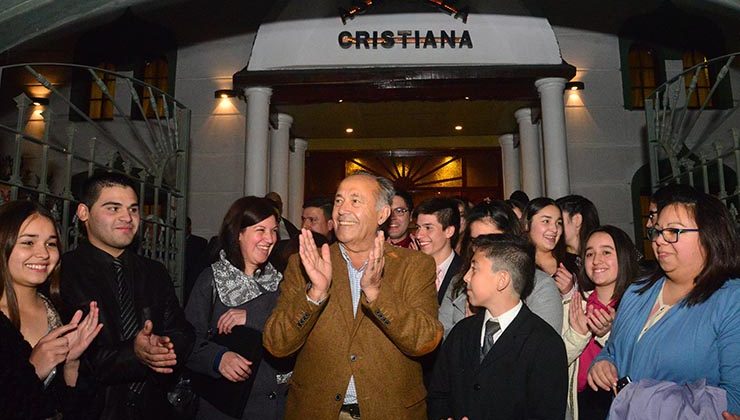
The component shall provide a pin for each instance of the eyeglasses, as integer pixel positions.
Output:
(400, 211)
(670, 235)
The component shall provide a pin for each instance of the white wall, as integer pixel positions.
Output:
(217, 127)
(605, 141)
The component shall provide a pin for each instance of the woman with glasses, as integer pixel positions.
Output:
(681, 325)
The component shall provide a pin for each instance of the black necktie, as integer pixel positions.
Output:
(492, 328)
(125, 303)
(129, 326)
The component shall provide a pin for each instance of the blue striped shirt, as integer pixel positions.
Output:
(355, 276)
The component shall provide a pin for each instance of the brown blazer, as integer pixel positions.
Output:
(379, 347)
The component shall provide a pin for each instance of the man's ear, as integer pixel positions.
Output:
(384, 213)
(83, 213)
(449, 231)
(330, 224)
(504, 279)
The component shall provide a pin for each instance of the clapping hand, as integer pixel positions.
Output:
(317, 265)
(157, 352)
(81, 337)
(576, 317)
(600, 321)
(52, 349)
(563, 279)
(370, 281)
(414, 244)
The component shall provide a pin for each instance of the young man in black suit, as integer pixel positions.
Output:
(438, 228)
(505, 362)
(145, 335)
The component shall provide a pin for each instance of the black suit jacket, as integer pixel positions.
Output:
(293, 231)
(524, 376)
(88, 275)
(196, 260)
(454, 268)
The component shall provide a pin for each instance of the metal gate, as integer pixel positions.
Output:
(699, 143)
(49, 143)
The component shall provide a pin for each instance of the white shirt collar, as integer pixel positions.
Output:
(446, 264)
(504, 320)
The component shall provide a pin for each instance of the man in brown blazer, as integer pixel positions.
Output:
(357, 314)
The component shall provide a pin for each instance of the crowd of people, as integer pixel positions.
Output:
(374, 309)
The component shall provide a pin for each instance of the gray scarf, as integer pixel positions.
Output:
(236, 288)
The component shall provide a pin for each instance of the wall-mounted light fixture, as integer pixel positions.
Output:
(39, 101)
(575, 86)
(225, 93)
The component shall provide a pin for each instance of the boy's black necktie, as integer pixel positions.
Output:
(492, 327)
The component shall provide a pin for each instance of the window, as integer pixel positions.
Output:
(643, 72)
(704, 79)
(101, 107)
(156, 73)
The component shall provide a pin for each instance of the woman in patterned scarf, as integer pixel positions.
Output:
(238, 292)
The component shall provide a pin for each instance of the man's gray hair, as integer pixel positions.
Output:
(386, 191)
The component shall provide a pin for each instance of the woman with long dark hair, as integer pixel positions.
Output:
(580, 217)
(238, 292)
(609, 266)
(682, 325)
(543, 223)
(46, 353)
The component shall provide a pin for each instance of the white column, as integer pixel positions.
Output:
(510, 161)
(297, 179)
(280, 157)
(553, 132)
(255, 162)
(529, 147)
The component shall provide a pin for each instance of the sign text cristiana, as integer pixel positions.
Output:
(404, 38)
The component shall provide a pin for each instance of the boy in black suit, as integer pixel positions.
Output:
(505, 362)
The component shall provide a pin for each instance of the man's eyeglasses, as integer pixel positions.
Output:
(670, 235)
(400, 211)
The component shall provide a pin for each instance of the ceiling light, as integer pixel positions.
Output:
(341, 100)
(458, 127)
(39, 101)
(467, 98)
(224, 93)
(575, 86)
(349, 130)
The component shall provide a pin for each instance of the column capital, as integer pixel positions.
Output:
(284, 119)
(550, 83)
(251, 91)
(299, 144)
(506, 140)
(523, 115)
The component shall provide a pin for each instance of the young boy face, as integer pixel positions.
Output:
(481, 279)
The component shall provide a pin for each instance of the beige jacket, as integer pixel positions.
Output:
(379, 346)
